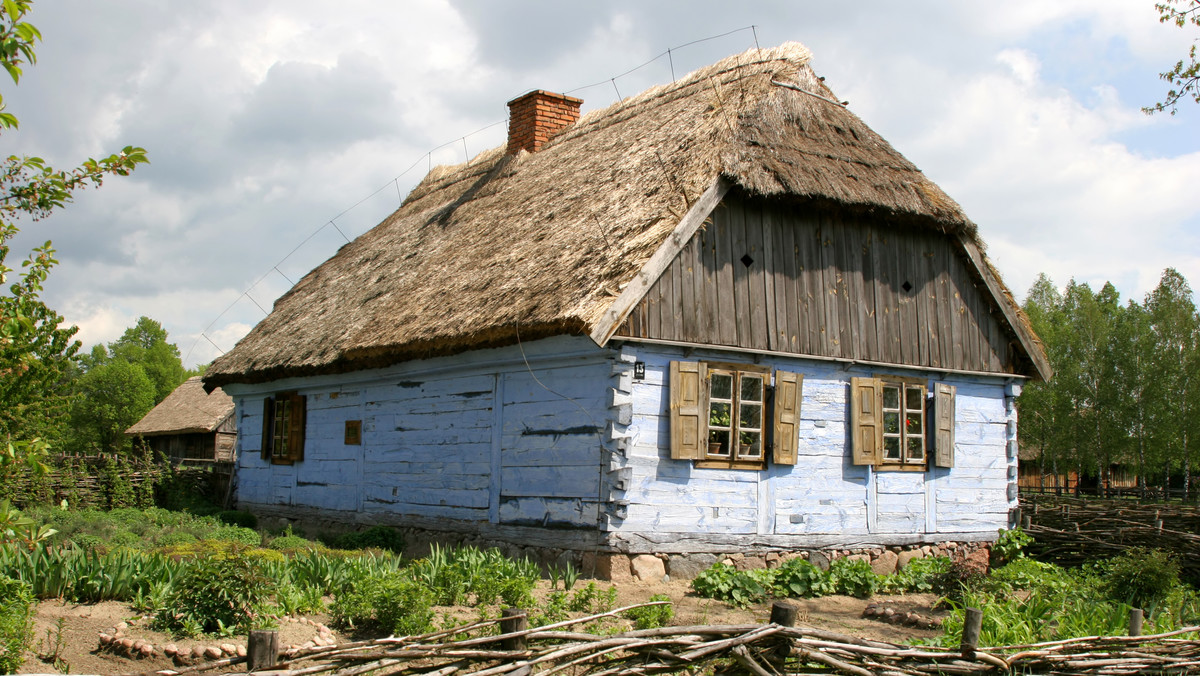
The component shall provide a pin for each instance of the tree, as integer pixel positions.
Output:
(112, 397)
(1172, 316)
(36, 351)
(1184, 77)
(145, 344)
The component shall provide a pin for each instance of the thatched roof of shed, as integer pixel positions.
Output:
(187, 410)
(531, 245)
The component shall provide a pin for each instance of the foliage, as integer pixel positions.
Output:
(453, 575)
(800, 578)
(652, 617)
(237, 534)
(375, 537)
(86, 576)
(236, 517)
(723, 582)
(145, 344)
(16, 623)
(36, 352)
(214, 595)
(1140, 577)
(1010, 543)
(112, 397)
(853, 577)
(1184, 76)
(394, 602)
(918, 576)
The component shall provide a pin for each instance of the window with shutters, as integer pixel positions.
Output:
(733, 415)
(283, 428)
(897, 424)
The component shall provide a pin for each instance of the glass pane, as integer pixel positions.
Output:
(719, 415)
(916, 449)
(891, 396)
(721, 387)
(750, 416)
(718, 442)
(913, 424)
(752, 387)
(913, 398)
(750, 445)
(891, 448)
(891, 423)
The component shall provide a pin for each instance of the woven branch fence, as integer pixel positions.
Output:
(1072, 531)
(762, 650)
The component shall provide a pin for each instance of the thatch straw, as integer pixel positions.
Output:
(533, 245)
(187, 410)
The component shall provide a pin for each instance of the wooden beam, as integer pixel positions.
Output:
(653, 269)
(1028, 340)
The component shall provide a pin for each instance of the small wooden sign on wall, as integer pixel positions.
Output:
(353, 432)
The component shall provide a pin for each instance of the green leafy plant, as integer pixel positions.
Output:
(51, 648)
(553, 610)
(375, 537)
(918, 576)
(1010, 544)
(800, 578)
(853, 577)
(723, 582)
(234, 517)
(652, 617)
(213, 595)
(16, 623)
(1141, 577)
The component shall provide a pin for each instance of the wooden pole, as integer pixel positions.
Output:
(262, 651)
(784, 614)
(1135, 621)
(513, 620)
(972, 625)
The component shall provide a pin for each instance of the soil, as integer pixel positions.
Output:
(83, 624)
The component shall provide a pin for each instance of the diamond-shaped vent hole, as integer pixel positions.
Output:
(747, 260)
(906, 286)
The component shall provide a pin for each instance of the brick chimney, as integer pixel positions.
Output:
(534, 118)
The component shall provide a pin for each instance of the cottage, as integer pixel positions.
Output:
(722, 315)
(190, 424)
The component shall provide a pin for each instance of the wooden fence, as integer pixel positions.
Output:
(110, 481)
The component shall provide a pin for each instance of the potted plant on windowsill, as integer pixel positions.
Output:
(717, 418)
(749, 442)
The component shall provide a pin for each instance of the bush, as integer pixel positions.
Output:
(917, 577)
(799, 578)
(175, 537)
(393, 602)
(291, 543)
(652, 617)
(375, 537)
(853, 577)
(242, 536)
(234, 517)
(1140, 577)
(215, 595)
(723, 582)
(16, 623)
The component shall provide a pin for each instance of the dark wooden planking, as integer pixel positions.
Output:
(756, 276)
(826, 286)
(726, 312)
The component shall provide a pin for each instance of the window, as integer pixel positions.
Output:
(724, 415)
(283, 428)
(891, 420)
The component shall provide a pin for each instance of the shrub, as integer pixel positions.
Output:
(1010, 543)
(375, 537)
(289, 543)
(16, 623)
(652, 617)
(243, 536)
(1140, 577)
(215, 595)
(723, 582)
(800, 578)
(393, 602)
(918, 576)
(175, 537)
(853, 577)
(234, 517)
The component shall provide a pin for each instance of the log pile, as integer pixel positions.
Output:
(1072, 531)
(762, 650)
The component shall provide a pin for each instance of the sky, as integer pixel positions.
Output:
(278, 130)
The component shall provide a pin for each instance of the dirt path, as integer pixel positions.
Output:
(83, 624)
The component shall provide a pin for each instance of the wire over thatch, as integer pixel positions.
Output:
(187, 410)
(509, 247)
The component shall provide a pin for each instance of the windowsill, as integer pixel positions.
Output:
(900, 467)
(730, 464)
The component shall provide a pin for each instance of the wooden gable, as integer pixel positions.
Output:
(767, 276)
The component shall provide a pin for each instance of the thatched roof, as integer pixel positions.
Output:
(187, 410)
(532, 245)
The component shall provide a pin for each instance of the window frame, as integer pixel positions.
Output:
(283, 428)
(868, 433)
(692, 415)
(902, 435)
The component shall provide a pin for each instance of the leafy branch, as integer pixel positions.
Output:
(1184, 77)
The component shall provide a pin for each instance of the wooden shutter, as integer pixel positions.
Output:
(296, 427)
(866, 420)
(268, 427)
(689, 415)
(788, 390)
(942, 429)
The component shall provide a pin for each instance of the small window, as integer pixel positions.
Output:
(903, 423)
(722, 414)
(283, 428)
